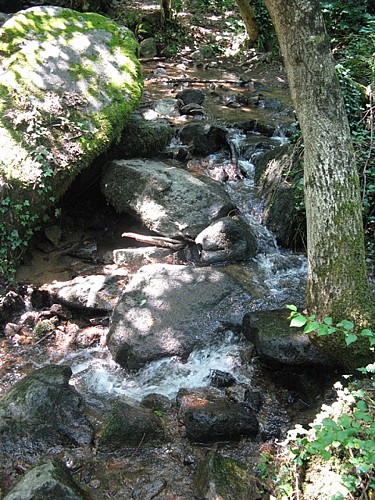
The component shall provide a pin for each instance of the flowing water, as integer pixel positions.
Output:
(277, 276)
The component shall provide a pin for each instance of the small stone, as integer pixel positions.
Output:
(11, 329)
(95, 483)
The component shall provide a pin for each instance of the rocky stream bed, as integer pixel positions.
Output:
(135, 370)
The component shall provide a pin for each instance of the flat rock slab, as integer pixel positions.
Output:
(167, 199)
(168, 310)
(96, 292)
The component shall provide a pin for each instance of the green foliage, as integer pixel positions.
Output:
(267, 40)
(326, 327)
(351, 436)
(14, 241)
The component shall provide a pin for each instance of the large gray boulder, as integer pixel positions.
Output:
(68, 81)
(227, 240)
(169, 310)
(42, 411)
(94, 292)
(167, 199)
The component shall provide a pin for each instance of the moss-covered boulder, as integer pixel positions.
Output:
(68, 82)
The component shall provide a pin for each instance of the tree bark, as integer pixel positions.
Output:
(247, 12)
(338, 285)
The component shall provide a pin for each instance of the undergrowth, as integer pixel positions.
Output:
(342, 438)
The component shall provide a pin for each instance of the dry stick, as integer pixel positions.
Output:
(158, 241)
(140, 444)
(45, 336)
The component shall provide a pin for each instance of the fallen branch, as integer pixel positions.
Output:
(158, 241)
(192, 80)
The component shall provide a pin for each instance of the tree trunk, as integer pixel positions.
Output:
(338, 285)
(166, 10)
(247, 12)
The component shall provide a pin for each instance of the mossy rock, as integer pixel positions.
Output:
(42, 410)
(219, 477)
(131, 426)
(51, 479)
(68, 82)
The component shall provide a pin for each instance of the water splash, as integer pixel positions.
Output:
(95, 372)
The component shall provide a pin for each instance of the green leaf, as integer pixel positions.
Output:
(310, 327)
(328, 321)
(298, 321)
(323, 330)
(346, 325)
(367, 333)
(350, 338)
(291, 307)
(361, 405)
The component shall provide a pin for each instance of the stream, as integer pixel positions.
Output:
(274, 277)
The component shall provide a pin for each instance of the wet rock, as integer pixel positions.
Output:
(273, 104)
(221, 379)
(192, 109)
(96, 292)
(131, 425)
(141, 256)
(168, 107)
(40, 299)
(226, 240)
(10, 304)
(274, 340)
(204, 139)
(148, 47)
(253, 399)
(41, 411)
(144, 138)
(51, 479)
(167, 199)
(87, 252)
(191, 96)
(157, 402)
(208, 416)
(279, 213)
(11, 329)
(219, 477)
(169, 310)
(256, 126)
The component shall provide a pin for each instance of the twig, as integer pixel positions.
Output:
(140, 444)
(45, 336)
